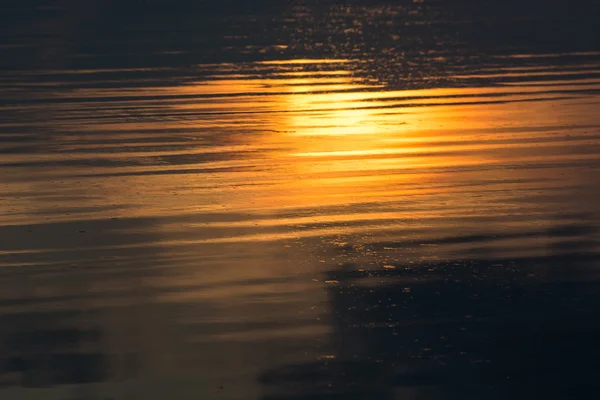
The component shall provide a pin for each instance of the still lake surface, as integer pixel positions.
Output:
(299, 200)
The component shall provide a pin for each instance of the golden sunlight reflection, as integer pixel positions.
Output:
(295, 199)
(317, 138)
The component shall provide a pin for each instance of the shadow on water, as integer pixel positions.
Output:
(523, 327)
(32, 360)
(77, 310)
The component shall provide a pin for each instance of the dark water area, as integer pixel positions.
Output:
(299, 200)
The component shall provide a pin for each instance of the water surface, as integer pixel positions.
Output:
(298, 201)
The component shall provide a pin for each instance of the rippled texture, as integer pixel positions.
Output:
(298, 201)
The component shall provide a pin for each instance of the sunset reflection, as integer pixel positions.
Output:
(299, 200)
(274, 200)
(312, 138)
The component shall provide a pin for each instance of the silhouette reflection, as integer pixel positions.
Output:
(487, 328)
(35, 359)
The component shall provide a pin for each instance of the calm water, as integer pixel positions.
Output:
(299, 200)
